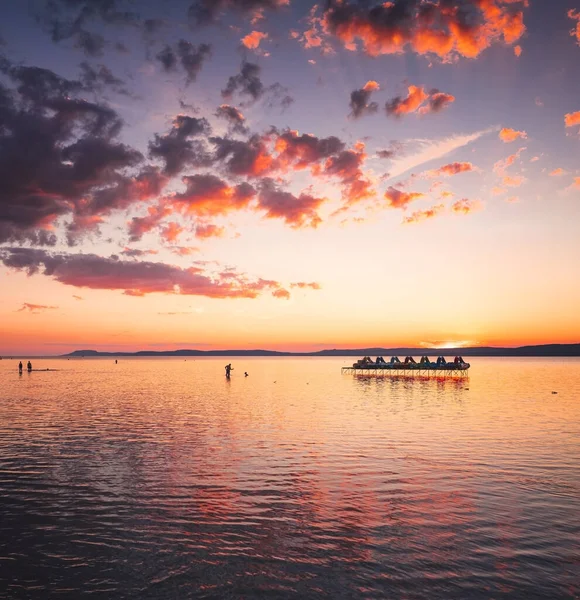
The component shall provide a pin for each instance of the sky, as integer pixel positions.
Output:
(288, 175)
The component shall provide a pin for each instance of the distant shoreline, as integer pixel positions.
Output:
(545, 350)
(562, 350)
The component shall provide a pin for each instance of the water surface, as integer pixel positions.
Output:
(158, 478)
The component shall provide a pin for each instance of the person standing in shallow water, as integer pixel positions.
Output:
(20, 367)
(229, 369)
(29, 366)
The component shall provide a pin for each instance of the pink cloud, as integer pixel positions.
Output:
(253, 39)
(507, 135)
(422, 215)
(399, 199)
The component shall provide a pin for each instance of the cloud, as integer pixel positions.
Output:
(303, 285)
(135, 253)
(301, 151)
(204, 12)
(134, 278)
(177, 149)
(401, 106)
(97, 79)
(575, 15)
(433, 149)
(518, 51)
(465, 206)
(515, 181)
(170, 232)
(208, 195)
(204, 231)
(447, 29)
(360, 100)
(190, 57)
(247, 82)
(139, 226)
(297, 211)
(507, 135)
(394, 149)
(451, 169)
(575, 185)
(572, 119)
(59, 156)
(423, 215)
(77, 297)
(557, 172)
(35, 308)
(348, 167)
(253, 39)
(281, 293)
(399, 199)
(234, 116)
(68, 20)
(501, 166)
(250, 158)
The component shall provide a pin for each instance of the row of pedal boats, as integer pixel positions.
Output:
(457, 364)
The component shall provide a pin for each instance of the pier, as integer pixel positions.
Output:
(408, 372)
(424, 368)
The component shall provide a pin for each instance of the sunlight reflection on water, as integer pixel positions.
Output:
(158, 478)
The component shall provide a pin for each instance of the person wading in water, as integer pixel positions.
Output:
(229, 369)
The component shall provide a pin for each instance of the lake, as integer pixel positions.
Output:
(158, 478)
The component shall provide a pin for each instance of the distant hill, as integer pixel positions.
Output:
(543, 350)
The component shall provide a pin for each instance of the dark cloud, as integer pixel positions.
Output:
(190, 57)
(92, 44)
(250, 158)
(394, 149)
(234, 116)
(153, 26)
(203, 12)
(134, 278)
(297, 211)
(177, 148)
(58, 155)
(69, 19)
(277, 95)
(439, 100)
(348, 167)
(447, 28)
(98, 78)
(247, 82)
(300, 151)
(168, 59)
(360, 103)
(136, 253)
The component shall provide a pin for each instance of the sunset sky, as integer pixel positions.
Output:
(280, 174)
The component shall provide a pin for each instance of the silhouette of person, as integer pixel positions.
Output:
(20, 367)
(29, 366)
(115, 361)
(245, 373)
(229, 368)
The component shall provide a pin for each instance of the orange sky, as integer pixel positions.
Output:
(291, 181)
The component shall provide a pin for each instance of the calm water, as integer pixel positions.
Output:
(157, 478)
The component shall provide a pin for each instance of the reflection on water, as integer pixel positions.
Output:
(158, 478)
